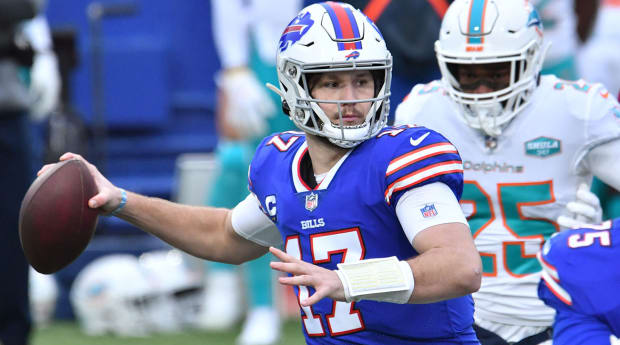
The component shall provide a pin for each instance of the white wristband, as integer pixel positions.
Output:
(383, 279)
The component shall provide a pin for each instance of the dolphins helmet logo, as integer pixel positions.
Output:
(534, 20)
(295, 30)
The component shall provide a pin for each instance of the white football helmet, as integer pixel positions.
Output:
(491, 31)
(113, 295)
(43, 290)
(179, 290)
(332, 37)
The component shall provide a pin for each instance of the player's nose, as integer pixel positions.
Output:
(482, 88)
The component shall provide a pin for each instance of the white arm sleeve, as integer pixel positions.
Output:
(231, 26)
(252, 224)
(438, 195)
(604, 163)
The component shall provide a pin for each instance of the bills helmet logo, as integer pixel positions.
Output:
(354, 55)
(428, 211)
(295, 30)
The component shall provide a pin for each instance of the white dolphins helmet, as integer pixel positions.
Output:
(179, 290)
(112, 295)
(491, 31)
(43, 290)
(332, 37)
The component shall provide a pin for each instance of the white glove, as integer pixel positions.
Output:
(44, 85)
(249, 104)
(586, 209)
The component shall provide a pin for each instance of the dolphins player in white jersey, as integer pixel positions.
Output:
(530, 146)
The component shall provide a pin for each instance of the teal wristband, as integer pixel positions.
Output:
(122, 204)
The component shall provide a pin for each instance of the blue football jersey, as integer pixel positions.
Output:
(349, 216)
(581, 280)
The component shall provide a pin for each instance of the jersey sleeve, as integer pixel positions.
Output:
(419, 156)
(600, 112)
(250, 222)
(579, 270)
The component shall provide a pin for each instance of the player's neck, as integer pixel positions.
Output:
(323, 154)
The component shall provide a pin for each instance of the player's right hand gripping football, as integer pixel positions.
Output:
(109, 197)
(585, 209)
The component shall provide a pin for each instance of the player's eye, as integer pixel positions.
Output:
(330, 84)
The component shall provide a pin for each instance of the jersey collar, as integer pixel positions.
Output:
(300, 185)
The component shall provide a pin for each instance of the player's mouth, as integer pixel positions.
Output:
(352, 119)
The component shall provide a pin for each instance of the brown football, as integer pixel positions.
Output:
(55, 222)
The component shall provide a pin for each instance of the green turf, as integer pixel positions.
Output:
(68, 333)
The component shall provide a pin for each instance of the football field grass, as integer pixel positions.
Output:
(68, 333)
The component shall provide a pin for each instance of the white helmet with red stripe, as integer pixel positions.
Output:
(332, 37)
(485, 32)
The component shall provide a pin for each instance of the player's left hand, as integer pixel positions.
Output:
(324, 281)
(585, 209)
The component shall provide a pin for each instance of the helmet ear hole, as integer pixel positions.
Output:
(285, 108)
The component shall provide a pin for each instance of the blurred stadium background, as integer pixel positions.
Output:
(138, 101)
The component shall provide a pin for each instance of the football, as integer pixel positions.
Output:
(55, 222)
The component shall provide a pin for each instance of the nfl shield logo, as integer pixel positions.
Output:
(428, 211)
(312, 201)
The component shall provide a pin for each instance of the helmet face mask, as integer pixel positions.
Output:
(325, 38)
(486, 32)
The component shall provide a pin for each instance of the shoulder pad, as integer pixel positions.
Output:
(413, 103)
(585, 101)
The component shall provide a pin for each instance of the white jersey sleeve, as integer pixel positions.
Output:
(600, 113)
(251, 223)
(437, 194)
(603, 162)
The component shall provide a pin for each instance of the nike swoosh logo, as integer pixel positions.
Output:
(416, 142)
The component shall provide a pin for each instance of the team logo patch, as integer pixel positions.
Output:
(354, 55)
(295, 30)
(270, 207)
(428, 211)
(543, 147)
(312, 201)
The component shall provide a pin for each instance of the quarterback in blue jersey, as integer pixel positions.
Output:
(581, 281)
(373, 237)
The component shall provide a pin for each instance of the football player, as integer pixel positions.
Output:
(580, 280)
(529, 144)
(366, 214)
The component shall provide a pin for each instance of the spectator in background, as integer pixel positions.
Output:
(19, 53)
(246, 36)
(567, 24)
(599, 60)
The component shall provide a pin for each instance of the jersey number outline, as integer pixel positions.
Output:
(587, 239)
(344, 318)
(511, 197)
